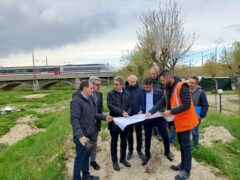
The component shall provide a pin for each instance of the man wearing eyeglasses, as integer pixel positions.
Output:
(97, 99)
(119, 104)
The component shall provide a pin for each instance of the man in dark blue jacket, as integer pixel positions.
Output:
(83, 115)
(134, 89)
(200, 100)
(147, 99)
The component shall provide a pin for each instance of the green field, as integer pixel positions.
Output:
(41, 155)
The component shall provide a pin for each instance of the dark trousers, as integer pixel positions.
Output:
(81, 163)
(94, 139)
(186, 154)
(138, 128)
(162, 128)
(123, 145)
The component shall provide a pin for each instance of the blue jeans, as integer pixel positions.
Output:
(172, 134)
(81, 162)
(195, 133)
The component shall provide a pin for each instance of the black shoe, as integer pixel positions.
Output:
(145, 161)
(169, 156)
(129, 156)
(127, 164)
(183, 175)
(177, 167)
(116, 166)
(93, 178)
(95, 165)
(140, 154)
(159, 137)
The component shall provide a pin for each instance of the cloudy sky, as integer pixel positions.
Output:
(100, 31)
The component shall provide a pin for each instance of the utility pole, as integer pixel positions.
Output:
(34, 75)
(216, 55)
(46, 61)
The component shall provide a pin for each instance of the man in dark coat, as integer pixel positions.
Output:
(119, 104)
(134, 89)
(153, 73)
(97, 99)
(83, 115)
(149, 96)
(199, 100)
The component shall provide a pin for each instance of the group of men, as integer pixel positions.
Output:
(164, 92)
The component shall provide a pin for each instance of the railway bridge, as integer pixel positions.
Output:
(43, 81)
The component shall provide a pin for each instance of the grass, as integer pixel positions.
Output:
(224, 156)
(234, 101)
(41, 156)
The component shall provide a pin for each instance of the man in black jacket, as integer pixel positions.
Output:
(134, 89)
(119, 104)
(83, 115)
(97, 99)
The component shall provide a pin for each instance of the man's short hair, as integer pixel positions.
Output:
(119, 79)
(166, 73)
(92, 79)
(147, 81)
(83, 84)
(194, 77)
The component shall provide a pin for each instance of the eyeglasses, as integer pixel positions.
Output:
(97, 85)
(117, 84)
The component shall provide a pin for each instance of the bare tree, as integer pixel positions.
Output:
(138, 63)
(163, 35)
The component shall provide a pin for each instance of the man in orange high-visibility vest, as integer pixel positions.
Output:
(178, 102)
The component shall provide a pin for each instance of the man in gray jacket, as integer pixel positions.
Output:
(83, 115)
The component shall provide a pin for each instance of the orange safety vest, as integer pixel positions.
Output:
(185, 120)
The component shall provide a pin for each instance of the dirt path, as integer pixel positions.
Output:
(35, 96)
(158, 167)
(228, 108)
(19, 132)
(53, 108)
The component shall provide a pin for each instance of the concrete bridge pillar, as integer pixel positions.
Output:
(77, 82)
(36, 85)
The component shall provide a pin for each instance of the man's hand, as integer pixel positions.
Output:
(148, 114)
(83, 140)
(167, 113)
(109, 118)
(103, 113)
(125, 114)
(140, 112)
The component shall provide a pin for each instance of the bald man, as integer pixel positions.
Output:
(134, 89)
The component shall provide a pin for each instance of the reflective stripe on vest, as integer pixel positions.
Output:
(176, 96)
